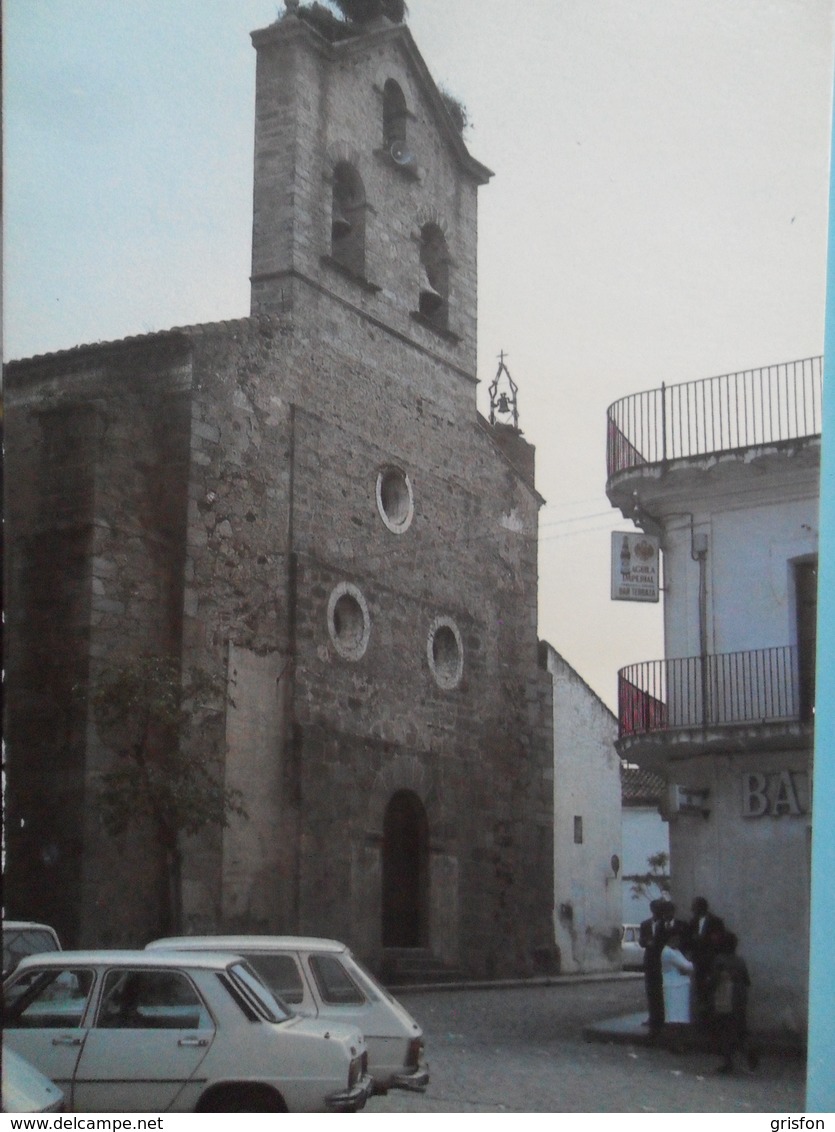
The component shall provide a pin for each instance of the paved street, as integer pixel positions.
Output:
(522, 1050)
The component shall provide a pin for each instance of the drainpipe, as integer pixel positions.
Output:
(698, 552)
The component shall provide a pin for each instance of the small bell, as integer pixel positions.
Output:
(429, 299)
(340, 225)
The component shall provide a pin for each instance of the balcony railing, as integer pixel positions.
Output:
(760, 686)
(716, 414)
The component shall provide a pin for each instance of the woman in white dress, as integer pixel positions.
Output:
(675, 974)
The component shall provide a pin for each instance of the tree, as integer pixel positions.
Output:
(655, 882)
(354, 15)
(148, 711)
(456, 110)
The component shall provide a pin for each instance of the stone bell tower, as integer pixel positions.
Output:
(364, 190)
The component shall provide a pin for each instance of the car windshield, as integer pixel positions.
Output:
(247, 982)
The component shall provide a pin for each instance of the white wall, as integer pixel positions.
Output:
(751, 544)
(643, 834)
(587, 786)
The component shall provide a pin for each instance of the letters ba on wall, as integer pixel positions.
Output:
(780, 793)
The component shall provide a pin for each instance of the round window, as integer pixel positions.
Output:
(348, 621)
(394, 499)
(445, 652)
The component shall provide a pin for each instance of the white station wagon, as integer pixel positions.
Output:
(138, 1031)
(320, 978)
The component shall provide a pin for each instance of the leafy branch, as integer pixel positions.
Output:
(655, 882)
(148, 712)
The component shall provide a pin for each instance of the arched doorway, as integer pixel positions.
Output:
(405, 872)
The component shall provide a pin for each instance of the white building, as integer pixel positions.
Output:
(726, 472)
(587, 843)
(644, 834)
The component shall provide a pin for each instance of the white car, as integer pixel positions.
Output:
(139, 1031)
(631, 952)
(24, 937)
(25, 1089)
(321, 979)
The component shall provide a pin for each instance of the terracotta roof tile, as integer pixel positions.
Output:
(639, 786)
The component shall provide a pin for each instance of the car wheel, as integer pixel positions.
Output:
(243, 1098)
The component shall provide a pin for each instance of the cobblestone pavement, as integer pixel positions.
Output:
(522, 1050)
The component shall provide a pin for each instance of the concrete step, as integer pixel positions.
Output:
(404, 966)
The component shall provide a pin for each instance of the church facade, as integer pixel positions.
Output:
(306, 504)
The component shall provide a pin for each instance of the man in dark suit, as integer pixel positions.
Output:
(652, 936)
(706, 932)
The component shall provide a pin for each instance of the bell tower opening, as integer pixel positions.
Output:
(348, 219)
(405, 872)
(433, 304)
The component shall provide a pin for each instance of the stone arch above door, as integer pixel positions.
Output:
(405, 772)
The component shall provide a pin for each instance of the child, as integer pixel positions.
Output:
(731, 981)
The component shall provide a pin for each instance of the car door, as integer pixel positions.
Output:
(43, 1019)
(143, 1051)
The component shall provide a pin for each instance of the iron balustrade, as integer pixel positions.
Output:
(716, 414)
(759, 686)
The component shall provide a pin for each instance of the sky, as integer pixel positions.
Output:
(658, 212)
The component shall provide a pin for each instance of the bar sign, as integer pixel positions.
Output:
(635, 566)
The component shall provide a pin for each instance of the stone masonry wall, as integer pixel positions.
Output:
(231, 489)
(96, 436)
(50, 457)
(284, 511)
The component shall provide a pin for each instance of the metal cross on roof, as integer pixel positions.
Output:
(503, 401)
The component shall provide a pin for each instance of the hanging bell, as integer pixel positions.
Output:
(502, 405)
(340, 224)
(429, 299)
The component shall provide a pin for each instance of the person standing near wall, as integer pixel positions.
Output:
(651, 937)
(675, 974)
(730, 983)
(706, 932)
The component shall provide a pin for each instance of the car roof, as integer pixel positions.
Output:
(249, 943)
(124, 958)
(25, 925)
